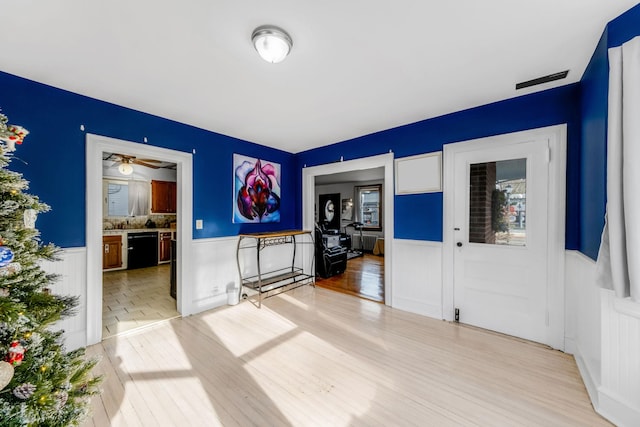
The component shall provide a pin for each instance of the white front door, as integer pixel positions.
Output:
(500, 235)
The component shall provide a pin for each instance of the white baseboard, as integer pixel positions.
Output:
(617, 409)
(588, 378)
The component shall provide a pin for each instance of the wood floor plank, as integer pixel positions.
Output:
(136, 298)
(363, 277)
(313, 357)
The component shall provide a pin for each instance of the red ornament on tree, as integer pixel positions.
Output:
(16, 353)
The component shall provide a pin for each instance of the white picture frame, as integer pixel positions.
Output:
(419, 174)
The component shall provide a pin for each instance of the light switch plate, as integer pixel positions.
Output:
(199, 224)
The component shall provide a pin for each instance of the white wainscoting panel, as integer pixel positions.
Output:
(417, 277)
(72, 269)
(582, 324)
(620, 391)
(603, 332)
(214, 269)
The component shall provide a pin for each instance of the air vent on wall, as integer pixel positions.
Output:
(544, 79)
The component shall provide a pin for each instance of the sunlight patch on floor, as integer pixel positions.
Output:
(258, 329)
(346, 394)
(294, 301)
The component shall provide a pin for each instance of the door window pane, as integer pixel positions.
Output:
(497, 202)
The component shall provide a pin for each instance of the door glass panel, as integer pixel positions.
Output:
(497, 202)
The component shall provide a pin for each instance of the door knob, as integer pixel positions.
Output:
(459, 244)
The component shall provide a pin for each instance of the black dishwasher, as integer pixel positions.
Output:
(142, 249)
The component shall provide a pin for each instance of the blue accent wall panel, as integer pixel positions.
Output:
(53, 158)
(624, 27)
(593, 160)
(550, 107)
(421, 219)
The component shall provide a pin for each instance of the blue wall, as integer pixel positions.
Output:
(595, 91)
(624, 27)
(593, 160)
(53, 158)
(419, 217)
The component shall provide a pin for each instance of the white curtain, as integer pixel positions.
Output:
(618, 265)
(138, 198)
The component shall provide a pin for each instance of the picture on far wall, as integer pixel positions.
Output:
(329, 211)
(256, 190)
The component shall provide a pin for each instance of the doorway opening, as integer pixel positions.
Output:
(139, 231)
(310, 209)
(350, 217)
(96, 146)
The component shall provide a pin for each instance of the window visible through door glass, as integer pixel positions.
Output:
(498, 202)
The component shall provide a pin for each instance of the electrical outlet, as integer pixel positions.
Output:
(199, 224)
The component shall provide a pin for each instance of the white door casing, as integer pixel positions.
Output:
(517, 290)
(95, 146)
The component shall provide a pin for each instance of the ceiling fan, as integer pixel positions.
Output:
(125, 159)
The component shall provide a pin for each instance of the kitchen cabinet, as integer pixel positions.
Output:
(164, 246)
(111, 251)
(163, 197)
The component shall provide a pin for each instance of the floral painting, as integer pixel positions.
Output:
(256, 189)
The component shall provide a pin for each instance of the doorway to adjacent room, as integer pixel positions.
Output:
(350, 219)
(139, 219)
(96, 146)
(378, 266)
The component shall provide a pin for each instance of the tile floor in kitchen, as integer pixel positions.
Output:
(135, 298)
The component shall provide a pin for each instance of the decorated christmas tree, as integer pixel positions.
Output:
(41, 384)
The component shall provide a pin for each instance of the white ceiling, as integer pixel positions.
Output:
(356, 67)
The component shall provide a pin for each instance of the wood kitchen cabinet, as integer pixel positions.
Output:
(163, 197)
(111, 251)
(164, 247)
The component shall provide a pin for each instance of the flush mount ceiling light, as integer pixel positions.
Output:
(125, 169)
(272, 43)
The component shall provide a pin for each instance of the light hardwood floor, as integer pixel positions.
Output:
(364, 277)
(135, 298)
(313, 357)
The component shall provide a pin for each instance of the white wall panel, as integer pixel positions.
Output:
(214, 269)
(620, 391)
(417, 277)
(582, 324)
(603, 332)
(72, 281)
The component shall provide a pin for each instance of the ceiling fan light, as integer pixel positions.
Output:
(273, 44)
(125, 169)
